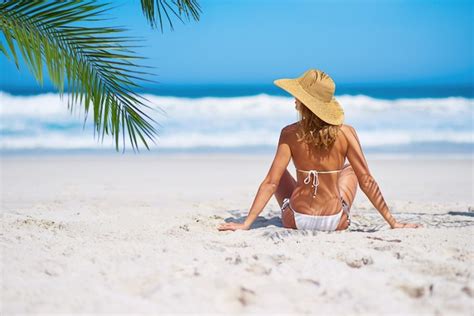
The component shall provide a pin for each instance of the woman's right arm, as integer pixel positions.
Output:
(367, 182)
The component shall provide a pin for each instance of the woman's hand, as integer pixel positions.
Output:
(406, 225)
(233, 226)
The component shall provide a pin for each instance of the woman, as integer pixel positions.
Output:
(319, 143)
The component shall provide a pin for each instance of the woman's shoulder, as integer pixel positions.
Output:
(290, 128)
(350, 134)
(288, 133)
(348, 130)
(347, 127)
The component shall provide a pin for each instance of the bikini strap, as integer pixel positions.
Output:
(326, 171)
(314, 173)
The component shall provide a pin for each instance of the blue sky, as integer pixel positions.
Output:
(257, 41)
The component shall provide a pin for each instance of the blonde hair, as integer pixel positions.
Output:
(313, 130)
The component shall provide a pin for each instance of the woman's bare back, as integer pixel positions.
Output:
(327, 200)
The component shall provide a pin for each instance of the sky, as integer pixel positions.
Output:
(256, 41)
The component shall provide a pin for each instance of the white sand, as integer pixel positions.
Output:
(123, 234)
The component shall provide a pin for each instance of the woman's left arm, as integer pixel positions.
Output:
(268, 186)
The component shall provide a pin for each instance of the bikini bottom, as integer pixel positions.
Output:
(318, 222)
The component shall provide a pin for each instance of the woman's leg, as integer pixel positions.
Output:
(284, 190)
(348, 188)
(348, 184)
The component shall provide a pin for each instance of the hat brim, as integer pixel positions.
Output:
(331, 112)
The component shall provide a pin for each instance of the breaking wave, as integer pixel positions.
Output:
(44, 122)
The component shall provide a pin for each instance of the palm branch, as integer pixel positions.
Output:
(97, 64)
(156, 10)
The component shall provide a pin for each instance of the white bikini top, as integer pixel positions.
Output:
(314, 173)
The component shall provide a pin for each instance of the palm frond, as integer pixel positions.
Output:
(96, 63)
(156, 11)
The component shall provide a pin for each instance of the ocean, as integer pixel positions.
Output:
(248, 119)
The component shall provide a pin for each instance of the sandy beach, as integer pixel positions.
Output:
(137, 234)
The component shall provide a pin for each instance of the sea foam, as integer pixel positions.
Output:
(44, 121)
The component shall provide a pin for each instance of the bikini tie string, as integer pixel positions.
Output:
(315, 183)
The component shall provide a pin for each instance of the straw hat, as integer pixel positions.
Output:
(315, 89)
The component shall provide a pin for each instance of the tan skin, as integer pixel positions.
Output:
(332, 186)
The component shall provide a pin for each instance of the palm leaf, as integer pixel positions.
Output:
(156, 11)
(97, 64)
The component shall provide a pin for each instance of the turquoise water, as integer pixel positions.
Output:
(389, 92)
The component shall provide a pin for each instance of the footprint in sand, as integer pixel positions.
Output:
(310, 281)
(184, 227)
(358, 263)
(242, 244)
(216, 246)
(468, 291)
(383, 248)
(415, 291)
(42, 223)
(386, 240)
(52, 268)
(234, 260)
(279, 259)
(398, 255)
(217, 217)
(246, 296)
(258, 269)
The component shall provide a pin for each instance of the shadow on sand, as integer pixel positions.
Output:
(260, 222)
(371, 222)
(470, 214)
